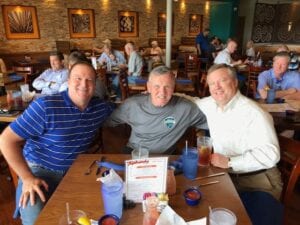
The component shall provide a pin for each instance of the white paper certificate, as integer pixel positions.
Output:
(145, 175)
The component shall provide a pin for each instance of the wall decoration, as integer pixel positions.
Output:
(161, 24)
(195, 24)
(128, 24)
(20, 22)
(81, 23)
(276, 23)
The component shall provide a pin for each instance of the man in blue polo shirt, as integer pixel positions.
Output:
(55, 130)
(285, 82)
(203, 44)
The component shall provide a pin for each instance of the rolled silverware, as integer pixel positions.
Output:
(211, 175)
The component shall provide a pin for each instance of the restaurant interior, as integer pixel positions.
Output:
(69, 25)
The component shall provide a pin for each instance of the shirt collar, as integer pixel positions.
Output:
(273, 75)
(69, 102)
(231, 104)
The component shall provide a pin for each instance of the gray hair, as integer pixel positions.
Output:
(230, 70)
(282, 55)
(161, 71)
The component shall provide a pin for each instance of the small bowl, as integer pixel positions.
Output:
(109, 219)
(192, 196)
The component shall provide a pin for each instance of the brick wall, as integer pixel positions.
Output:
(53, 22)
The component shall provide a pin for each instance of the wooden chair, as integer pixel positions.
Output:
(25, 71)
(289, 166)
(203, 90)
(14, 176)
(252, 81)
(123, 82)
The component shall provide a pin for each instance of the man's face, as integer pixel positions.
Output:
(232, 47)
(161, 88)
(56, 63)
(81, 84)
(222, 86)
(205, 33)
(280, 65)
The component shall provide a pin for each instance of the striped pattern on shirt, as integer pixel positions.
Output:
(56, 131)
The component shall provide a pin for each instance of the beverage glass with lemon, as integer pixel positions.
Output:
(76, 217)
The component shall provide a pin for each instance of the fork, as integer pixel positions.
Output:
(89, 169)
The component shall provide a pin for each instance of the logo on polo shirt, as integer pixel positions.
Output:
(169, 122)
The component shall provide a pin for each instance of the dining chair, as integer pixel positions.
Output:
(289, 166)
(25, 71)
(203, 89)
(123, 82)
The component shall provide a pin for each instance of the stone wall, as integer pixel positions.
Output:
(53, 22)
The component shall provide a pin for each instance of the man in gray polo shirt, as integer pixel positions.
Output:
(158, 119)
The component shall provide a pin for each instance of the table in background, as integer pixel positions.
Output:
(6, 118)
(83, 192)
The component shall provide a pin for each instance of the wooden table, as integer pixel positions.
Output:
(280, 121)
(6, 119)
(83, 192)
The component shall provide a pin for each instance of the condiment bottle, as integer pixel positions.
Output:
(151, 215)
(171, 181)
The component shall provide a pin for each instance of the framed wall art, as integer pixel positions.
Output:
(81, 23)
(128, 24)
(195, 24)
(161, 24)
(20, 22)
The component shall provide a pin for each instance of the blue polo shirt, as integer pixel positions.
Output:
(204, 43)
(56, 131)
(290, 79)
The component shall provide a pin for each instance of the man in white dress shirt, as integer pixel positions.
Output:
(51, 80)
(243, 134)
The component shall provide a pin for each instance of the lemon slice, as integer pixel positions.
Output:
(84, 221)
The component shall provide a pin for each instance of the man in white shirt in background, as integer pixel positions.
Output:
(243, 134)
(52, 79)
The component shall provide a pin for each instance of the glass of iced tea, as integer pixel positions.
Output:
(204, 145)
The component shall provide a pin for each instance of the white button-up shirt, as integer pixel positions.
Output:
(242, 131)
(58, 78)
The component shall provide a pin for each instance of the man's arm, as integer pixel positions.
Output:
(119, 116)
(293, 96)
(40, 82)
(11, 148)
(262, 84)
(263, 152)
(283, 93)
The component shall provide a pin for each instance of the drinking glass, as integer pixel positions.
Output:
(222, 216)
(140, 153)
(204, 145)
(190, 162)
(74, 215)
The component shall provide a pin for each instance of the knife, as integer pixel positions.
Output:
(208, 183)
(212, 175)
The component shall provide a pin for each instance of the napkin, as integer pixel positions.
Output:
(111, 178)
(170, 217)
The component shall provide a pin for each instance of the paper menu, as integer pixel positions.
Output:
(145, 175)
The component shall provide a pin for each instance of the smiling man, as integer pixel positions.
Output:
(157, 119)
(286, 83)
(55, 129)
(243, 134)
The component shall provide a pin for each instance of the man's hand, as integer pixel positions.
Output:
(30, 187)
(219, 160)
